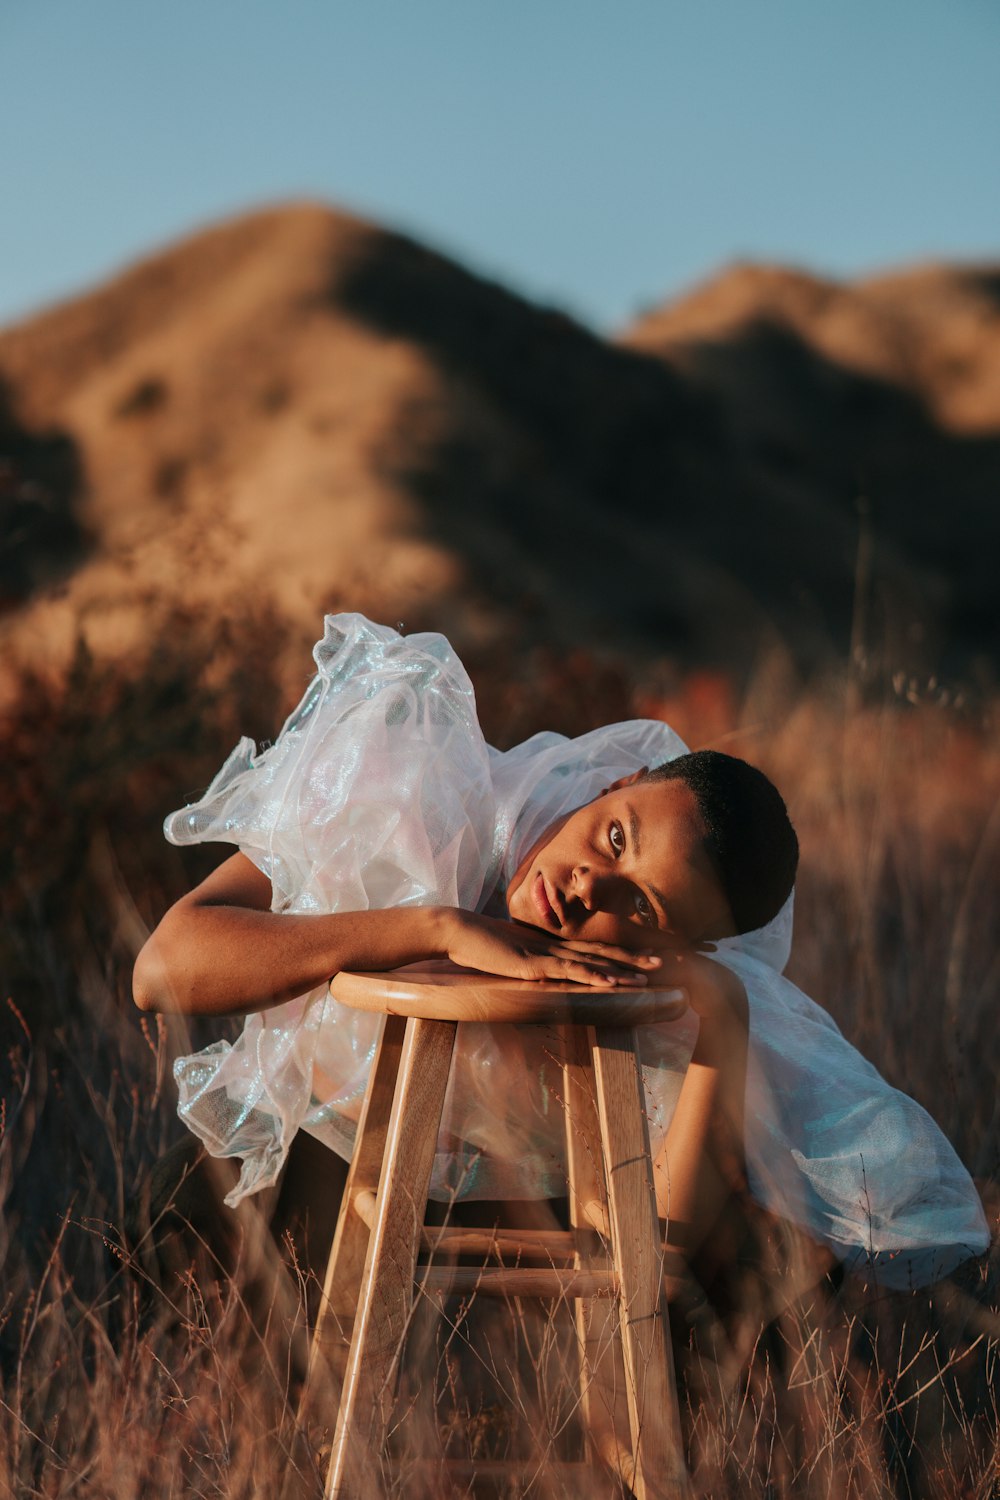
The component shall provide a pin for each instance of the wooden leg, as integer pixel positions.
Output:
(649, 1372)
(602, 1382)
(335, 1319)
(385, 1295)
(346, 1262)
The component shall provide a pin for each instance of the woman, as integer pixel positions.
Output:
(380, 829)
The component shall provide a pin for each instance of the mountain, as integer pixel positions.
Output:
(879, 398)
(302, 410)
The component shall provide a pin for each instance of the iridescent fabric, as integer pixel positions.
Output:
(380, 791)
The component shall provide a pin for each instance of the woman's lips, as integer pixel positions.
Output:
(544, 907)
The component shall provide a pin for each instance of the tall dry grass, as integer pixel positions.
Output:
(139, 1361)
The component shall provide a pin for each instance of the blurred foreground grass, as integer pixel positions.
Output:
(124, 1377)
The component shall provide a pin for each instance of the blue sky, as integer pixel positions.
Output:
(599, 157)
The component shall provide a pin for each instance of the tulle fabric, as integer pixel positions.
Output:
(380, 791)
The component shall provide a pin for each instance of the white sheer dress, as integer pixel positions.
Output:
(380, 791)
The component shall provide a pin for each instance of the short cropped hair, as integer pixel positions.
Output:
(748, 834)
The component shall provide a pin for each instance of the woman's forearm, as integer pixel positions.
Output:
(207, 959)
(222, 950)
(702, 1159)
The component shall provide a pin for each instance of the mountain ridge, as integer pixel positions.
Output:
(299, 405)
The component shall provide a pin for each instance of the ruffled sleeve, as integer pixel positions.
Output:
(376, 793)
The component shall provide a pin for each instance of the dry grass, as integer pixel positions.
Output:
(125, 1373)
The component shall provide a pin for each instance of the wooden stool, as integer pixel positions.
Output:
(613, 1248)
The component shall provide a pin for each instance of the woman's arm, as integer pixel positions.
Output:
(220, 949)
(701, 1163)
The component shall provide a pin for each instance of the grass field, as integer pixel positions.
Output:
(123, 1376)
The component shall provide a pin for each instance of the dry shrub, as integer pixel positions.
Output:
(139, 1360)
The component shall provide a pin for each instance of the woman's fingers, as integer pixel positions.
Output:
(614, 963)
(525, 952)
(658, 950)
(578, 970)
(567, 971)
(627, 958)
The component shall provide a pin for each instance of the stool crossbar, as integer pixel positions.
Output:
(612, 1255)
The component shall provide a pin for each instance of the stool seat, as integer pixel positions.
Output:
(610, 1264)
(441, 991)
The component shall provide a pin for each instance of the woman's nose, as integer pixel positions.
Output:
(590, 888)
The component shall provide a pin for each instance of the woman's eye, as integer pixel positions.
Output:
(644, 907)
(617, 838)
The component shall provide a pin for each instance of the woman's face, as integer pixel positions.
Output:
(622, 869)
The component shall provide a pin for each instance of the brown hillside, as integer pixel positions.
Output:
(299, 406)
(887, 388)
(933, 331)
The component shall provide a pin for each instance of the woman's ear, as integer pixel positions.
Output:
(631, 780)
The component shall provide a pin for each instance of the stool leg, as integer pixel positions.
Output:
(331, 1338)
(649, 1371)
(602, 1388)
(386, 1292)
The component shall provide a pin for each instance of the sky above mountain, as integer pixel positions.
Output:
(592, 156)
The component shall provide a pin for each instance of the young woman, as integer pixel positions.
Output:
(380, 829)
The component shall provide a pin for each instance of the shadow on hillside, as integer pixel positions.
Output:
(804, 419)
(41, 484)
(697, 502)
(545, 454)
(618, 422)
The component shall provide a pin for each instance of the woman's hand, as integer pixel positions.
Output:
(671, 962)
(714, 992)
(517, 951)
